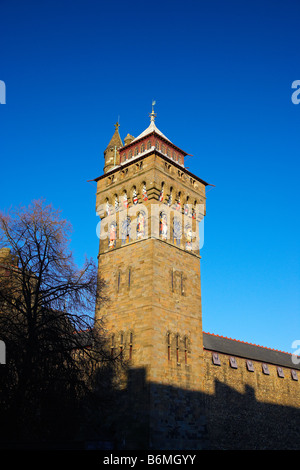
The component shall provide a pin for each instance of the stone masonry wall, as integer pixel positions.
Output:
(250, 410)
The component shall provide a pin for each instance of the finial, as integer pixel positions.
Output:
(117, 125)
(153, 115)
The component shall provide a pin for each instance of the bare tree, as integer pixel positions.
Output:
(47, 323)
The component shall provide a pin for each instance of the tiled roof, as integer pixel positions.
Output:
(238, 348)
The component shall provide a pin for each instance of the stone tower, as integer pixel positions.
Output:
(150, 208)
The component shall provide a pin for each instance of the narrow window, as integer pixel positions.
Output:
(148, 145)
(181, 284)
(119, 281)
(121, 346)
(112, 349)
(185, 350)
(130, 345)
(169, 346)
(250, 366)
(129, 277)
(177, 349)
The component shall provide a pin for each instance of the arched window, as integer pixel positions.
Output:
(116, 203)
(148, 145)
(134, 196)
(144, 192)
(136, 151)
(125, 200)
(143, 147)
(187, 206)
(161, 195)
(107, 208)
(170, 199)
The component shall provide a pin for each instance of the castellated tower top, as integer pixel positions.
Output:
(116, 155)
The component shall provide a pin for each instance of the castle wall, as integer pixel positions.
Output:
(250, 410)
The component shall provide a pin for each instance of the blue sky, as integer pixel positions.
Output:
(221, 75)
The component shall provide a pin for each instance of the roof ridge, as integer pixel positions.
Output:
(246, 342)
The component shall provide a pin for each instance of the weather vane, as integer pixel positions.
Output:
(153, 115)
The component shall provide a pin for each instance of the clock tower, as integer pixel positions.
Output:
(151, 207)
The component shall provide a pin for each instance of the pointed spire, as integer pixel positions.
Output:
(116, 139)
(111, 153)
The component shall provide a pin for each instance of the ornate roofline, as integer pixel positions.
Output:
(150, 152)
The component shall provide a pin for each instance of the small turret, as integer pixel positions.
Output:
(111, 153)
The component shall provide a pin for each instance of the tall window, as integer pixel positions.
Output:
(185, 350)
(130, 345)
(177, 349)
(112, 348)
(169, 345)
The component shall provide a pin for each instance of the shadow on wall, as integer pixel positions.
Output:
(160, 417)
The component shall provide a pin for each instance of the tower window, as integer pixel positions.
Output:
(177, 349)
(136, 151)
(143, 147)
(121, 345)
(130, 345)
(185, 350)
(119, 280)
(112, 348)
(148, 145)
(169, 345)
(181, 284)
(129, 277)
